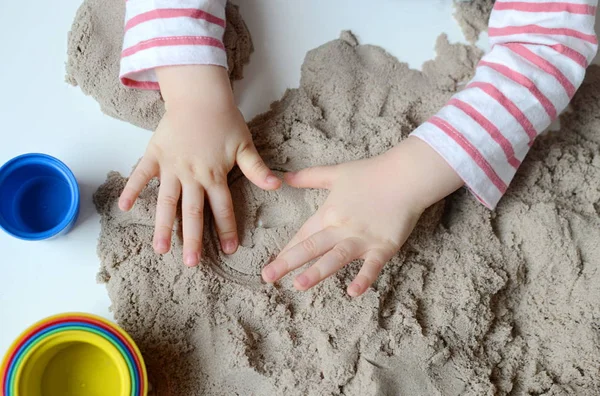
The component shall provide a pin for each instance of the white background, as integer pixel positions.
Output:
(39, 112)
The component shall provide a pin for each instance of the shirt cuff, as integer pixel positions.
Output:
(470, 165)
(163, 33)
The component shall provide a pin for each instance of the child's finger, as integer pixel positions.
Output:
(316, 177)
(374, 262)
(309, 249)
(166, 210)
(222, 209)
(310, 227)
(192, 205)
(341, 254)
(255, 169)
(144, 171)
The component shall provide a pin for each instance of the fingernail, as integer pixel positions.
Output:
(302, 280)
(230, 247)
(272, 179)
(269, 273)
(191, 259)
(124, 204)
(162, 245)
(354, 289)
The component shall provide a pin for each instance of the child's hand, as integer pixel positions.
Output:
(371, 210)
(200, 138)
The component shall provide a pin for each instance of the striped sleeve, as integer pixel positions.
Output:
(170, 32)
(540, 51)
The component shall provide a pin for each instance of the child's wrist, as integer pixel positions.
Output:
(427, 177)
(195, 86)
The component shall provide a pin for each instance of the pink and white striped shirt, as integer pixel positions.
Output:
(540, 51)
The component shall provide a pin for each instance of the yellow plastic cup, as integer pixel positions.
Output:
(73, 363)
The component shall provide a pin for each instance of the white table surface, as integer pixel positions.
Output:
(39, 112)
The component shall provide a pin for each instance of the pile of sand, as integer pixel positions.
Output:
(94, 54)
(476, 303)
(473, 16)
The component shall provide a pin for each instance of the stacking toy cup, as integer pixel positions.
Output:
(73, 362)
(39, 197)
(73, 354)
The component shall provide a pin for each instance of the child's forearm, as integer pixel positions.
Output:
(168, 33)
(539, 55)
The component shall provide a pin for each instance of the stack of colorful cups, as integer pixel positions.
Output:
(73, 354)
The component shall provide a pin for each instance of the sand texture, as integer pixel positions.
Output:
(473, 17)
(94, 53)
(476, 302)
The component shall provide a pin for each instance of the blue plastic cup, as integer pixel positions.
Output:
(39, 197)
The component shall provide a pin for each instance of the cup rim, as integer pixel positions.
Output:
(82, 337)
(50, 161)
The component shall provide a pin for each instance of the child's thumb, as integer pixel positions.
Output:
(316, 177)
(255, 169)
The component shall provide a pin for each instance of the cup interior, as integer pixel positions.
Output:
(36, 197)
(73, 364)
